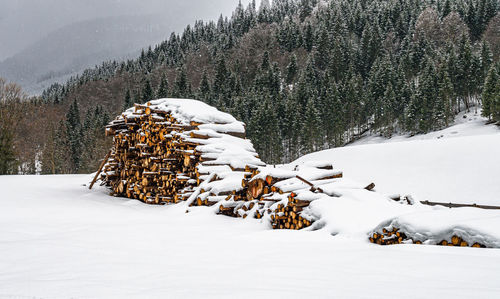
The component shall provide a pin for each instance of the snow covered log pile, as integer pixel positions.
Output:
(280, 195)
(393, 235)
(464, 227)
(165, 148)
(173, 150)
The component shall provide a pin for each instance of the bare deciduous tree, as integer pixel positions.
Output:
(454, 28)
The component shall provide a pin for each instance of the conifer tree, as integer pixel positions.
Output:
(7, 155)
(181, 84)
(221, 76)
(305, 8)
(490, 93)
(444, 111)
(147, 92)
(204, 89)
(291, 70)
(127, 103)
(162, 91)
(308, 37)
(311, 128)
(322, 50)
(265, 61)
(74, 135)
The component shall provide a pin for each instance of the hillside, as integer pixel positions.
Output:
(89, 244)
(69, 50)
(457, 164)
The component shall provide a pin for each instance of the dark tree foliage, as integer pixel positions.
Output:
(7, 155)
(163, 88)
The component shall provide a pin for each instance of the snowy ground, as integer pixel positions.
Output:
(459, 164)
(60, 240)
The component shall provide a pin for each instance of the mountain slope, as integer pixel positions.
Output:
(81, 45)
(87, 34)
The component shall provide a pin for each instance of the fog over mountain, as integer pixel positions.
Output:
(45, 41)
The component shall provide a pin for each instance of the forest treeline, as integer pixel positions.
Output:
(304, 75)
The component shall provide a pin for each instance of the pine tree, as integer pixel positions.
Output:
(305, 8)
(181, 84)
(486, 59)
(311, 128)
(291, 70)
(62, 157)
(388, 111)
(74, 135)
(322, 50)
(427, 91)
(496, 102)
(446, 9)
(7, 155)
(162, 91)
(204, 89)
(147, 92)
(308, 37)
(221, 76)
(265, 61)
(444, 111)
(490, 93)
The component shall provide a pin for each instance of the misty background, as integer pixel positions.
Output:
(47, 41)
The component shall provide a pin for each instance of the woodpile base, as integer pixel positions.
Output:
(394, 235)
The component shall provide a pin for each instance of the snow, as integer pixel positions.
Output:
(461, 166)
(193, 110)
(472, 225)
(58, 239)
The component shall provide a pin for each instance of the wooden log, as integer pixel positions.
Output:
(100, 169)
(370, 187)
(457, 205)
(313, 188)
(255, 189)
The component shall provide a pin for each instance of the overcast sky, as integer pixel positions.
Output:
(23, 22)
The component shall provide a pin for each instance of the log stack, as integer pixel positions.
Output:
(280, 195)
(163, 150)
(172, 150)
(391, 235)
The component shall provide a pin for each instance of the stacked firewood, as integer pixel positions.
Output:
(274, 194)
(171, 150)
(162, 153)
(392, 235)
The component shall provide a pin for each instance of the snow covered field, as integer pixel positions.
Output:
(60, 240)
(459, 164)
